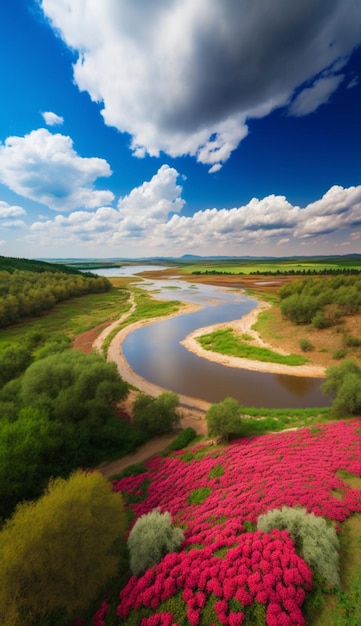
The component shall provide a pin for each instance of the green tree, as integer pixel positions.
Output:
(224, 419)
(72, 386)
(156, 416)
(343, 384)
(27, 446)
(57, 553)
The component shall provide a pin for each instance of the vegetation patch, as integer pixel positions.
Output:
(226, 341)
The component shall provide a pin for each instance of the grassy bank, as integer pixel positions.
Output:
(227, 342)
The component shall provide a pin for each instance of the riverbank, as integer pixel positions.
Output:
(244, 326)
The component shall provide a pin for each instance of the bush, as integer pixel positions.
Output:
(344, 384)
(339, 354)
(57, 553)
(224, 419)
(151, 538)
(305, 345)
(184, 438)
(156, 416)
(314, 539)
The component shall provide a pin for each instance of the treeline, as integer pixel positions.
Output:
(57, 413)
(26, 293)
(11, 264)
(335, 271)
(321, 302)
(325, 271)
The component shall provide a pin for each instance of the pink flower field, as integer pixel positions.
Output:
(226, 572)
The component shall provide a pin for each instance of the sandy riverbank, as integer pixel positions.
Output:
(244, 325)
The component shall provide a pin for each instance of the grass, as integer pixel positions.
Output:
(229, 343)
(74, 316)
(280, 265)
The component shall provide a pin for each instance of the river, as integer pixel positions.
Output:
(155, 353)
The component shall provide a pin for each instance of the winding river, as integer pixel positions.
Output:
(154, 352)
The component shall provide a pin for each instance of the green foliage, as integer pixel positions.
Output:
(216, 471)
(305, 345)
(184, 438)
(351, 341)
(314, 539)
(27, 448)
(27, 293)
(72, 386)
(198, 496)
(13, 361)
(224, 419)
(343, 383)
(57, 553)
(151, 538)
(321, 301)
(340, 353)
(226, 341)
(156, 416)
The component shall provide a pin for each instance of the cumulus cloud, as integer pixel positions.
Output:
(9, 214)
(149, 221)
(8, 210)
(137, 218)
(44, 167)
(183, 76)
(52, 119)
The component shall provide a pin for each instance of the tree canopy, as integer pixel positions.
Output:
(58, 552)
(343, 384)
(224, 419)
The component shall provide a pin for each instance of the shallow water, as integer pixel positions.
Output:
(154, 352)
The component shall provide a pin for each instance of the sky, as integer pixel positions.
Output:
(132, 129)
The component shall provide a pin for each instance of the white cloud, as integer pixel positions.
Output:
(183, 76)
(8, 210)
(52, 119)
(44, 167)
(149, 221)
(137, 218)
(312, 97)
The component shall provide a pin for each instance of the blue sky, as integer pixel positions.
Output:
(131, 128)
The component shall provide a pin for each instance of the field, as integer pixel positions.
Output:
(226, 571)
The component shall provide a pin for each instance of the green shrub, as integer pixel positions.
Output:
(224, 419)
(184, 438)
(314, 539)
(156, 416)
(151, 538)
(339, 354)
(344, 384)
(305, 345)
(319, 321)
(351, 341)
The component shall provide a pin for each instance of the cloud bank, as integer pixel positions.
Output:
(184, 76)
(148, 221)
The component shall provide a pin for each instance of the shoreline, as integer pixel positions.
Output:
(244, 325)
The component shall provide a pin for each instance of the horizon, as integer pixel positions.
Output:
(202, 141)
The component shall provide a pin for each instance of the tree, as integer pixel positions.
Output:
(224, 419)
(58, 552)
(156, 416)
(72, 386)
(343, 384)
(27, 447)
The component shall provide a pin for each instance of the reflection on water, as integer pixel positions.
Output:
(295, 384)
